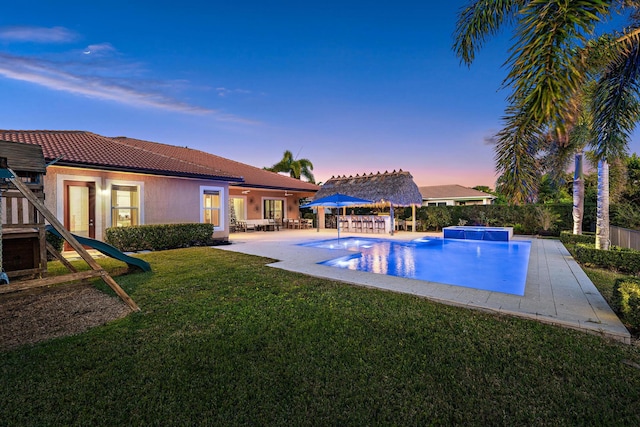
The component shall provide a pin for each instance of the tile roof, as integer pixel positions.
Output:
(253, 176)
(87, 149)
(452, 192)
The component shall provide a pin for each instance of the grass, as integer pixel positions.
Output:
(603, 279)
(224, 340)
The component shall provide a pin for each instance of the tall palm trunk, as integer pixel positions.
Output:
(602, 221)
(578, 194)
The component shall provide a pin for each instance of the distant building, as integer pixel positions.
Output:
(453, 195)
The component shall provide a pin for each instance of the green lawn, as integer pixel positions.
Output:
(224, 340)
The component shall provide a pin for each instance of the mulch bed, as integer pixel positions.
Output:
(32, 316)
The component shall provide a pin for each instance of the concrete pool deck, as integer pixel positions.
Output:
(557, 292)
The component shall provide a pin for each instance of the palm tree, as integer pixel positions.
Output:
(559, 156)
(296, 168)
(554, 56)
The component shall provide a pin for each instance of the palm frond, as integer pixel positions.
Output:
(615, 103)
(546, 69)
(516, 149)
(480, 20)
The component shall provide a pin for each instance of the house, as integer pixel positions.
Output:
(95, 182)
(261, 194)
(452, 195)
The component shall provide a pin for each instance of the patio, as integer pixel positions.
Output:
(557, 292)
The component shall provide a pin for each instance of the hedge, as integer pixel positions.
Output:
(619, 259)
(568, 238)
(542, 218)
(160, 237)
(626, 300)
(525, 219)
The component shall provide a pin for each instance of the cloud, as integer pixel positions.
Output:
(67, 77)
(223, 91)
(97, 71)
(101, 49)
(37, 34)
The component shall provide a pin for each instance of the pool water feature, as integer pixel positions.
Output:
(500, 234)
(478, 264)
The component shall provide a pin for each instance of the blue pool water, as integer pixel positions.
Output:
(478, 264)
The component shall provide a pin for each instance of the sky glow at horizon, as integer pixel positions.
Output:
(354, 87)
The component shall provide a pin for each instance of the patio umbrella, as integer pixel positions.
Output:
(337, 201)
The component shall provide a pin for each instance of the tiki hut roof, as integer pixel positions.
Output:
(395, 187)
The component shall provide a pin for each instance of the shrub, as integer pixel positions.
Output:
(56, 242)
(626, 215)
(568, 238)
(159, 237)
(548, 219)
(618, 259)
(626, 300)
(434, 218)
(518, 229)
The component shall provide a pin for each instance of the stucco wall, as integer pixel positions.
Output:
(165, 200)
(254, 201)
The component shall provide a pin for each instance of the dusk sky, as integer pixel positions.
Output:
(354, 86)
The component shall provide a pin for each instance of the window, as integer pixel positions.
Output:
(273, 209)
(237, 208)
(211, 205)
(124, 205)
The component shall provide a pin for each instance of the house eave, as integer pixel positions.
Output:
(457, 198)
(273, 187)
(145, 171)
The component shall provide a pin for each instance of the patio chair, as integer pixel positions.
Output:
(270, 225)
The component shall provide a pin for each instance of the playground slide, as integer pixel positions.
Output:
(107, 250)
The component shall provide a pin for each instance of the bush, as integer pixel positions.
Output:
(548, 220)
(568, 238)
(618, 259)
(626, 300)
(159, 237)
(434, 218)
(56, 242)
(626, 215)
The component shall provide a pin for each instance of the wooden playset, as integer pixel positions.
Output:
(23, 245)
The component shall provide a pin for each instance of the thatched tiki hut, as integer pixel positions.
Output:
(393, 189)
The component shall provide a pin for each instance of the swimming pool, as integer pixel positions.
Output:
(487, 265)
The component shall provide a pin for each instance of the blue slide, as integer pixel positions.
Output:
(107, 249)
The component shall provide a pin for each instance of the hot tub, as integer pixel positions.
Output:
(497, 234)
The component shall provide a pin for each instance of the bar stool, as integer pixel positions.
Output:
(368, 224)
